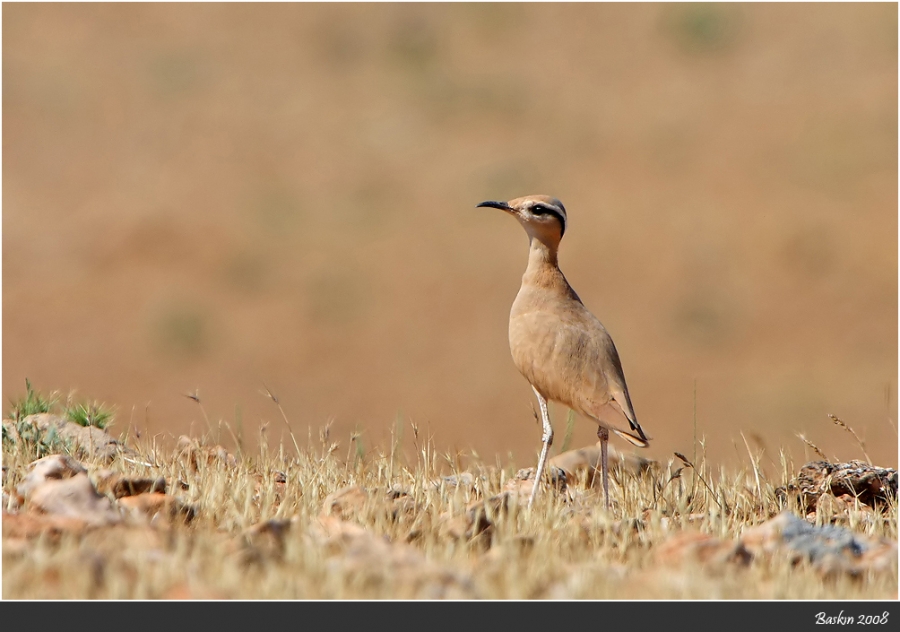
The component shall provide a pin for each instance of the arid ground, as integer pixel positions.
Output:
(86, 516)
(211, 198)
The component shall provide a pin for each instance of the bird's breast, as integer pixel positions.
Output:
(559, 348)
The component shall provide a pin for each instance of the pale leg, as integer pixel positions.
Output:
(603, 433)
(547, 440)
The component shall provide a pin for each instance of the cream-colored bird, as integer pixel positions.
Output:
(558, 345)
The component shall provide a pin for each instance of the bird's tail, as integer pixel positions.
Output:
(639, 441)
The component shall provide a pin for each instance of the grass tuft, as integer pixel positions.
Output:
(32, 404)
(90, 414)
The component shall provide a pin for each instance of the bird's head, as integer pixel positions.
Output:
(542, 216)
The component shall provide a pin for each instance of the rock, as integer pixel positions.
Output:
(840, 510)
(456, 527)
(523, 483)
(354, 501)
(118, 485)
(654, 518)
(464, 479)
(53, 467)
(262, 541)
(403, 506)
(589, 527)
(195, 453)
(869, 484)
(346, 502)
(332, 532)
(30, 525)
(702, 548)
(373, 560)
(157, 506)
(828, 548)
(476, 521)
(588, 459)
(274, 527)
(73, 497)
(84, 441)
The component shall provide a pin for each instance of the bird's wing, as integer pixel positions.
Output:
(602, 378)
(570, 358)
(637, 438)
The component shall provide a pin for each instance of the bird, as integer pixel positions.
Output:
(561, 348)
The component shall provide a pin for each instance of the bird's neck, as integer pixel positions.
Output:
(543, 267)
(541, 254)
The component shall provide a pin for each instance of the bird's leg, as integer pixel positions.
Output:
(547, 440)
(603, 433)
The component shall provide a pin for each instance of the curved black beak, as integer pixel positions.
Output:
(503, 206)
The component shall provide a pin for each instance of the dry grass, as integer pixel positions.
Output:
(405, 535)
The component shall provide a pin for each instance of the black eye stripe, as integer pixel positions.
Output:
(539, 209)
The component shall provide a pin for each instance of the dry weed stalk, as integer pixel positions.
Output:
(862, 445)
(702, 480)
(815, 448)
(284, 418)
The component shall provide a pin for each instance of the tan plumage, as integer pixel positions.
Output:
(560, 347)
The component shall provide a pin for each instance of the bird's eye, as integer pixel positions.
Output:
(539, 210)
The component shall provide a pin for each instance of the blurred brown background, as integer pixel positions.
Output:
(214, 196)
